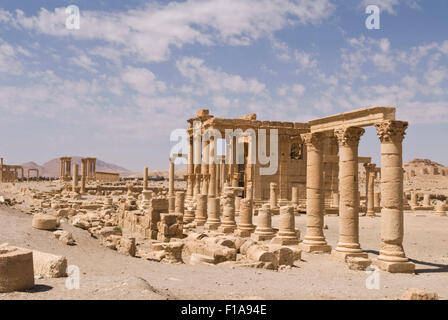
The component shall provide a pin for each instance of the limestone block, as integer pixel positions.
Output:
(65, 237)
(197, 259)
(48, 265)
(284, 254)
(257, 253)
(418, 294)
(126, 246)
(16, 269)
(358, 263)
(44, 222)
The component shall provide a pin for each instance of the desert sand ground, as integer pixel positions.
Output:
(105, 274)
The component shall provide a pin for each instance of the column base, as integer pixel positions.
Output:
(200, 222)
(243, 233)
(306, 247)
(394, 267)
(343, 256)
(211, 226)
(371, 214)
(226, 229)
(261, 237)
(285, 241)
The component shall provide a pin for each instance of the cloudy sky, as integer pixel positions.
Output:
(136, 70)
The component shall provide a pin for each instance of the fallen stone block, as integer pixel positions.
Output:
(418, 294)
(127, 246)
(65, 237)
(16, 269)
(44, 222)
(49, 265)
(358, 263)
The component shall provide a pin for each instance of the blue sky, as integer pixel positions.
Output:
(136, 70)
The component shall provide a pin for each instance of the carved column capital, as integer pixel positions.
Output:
(391, 130)
(312, 139)
(348, 136)
(370, 167)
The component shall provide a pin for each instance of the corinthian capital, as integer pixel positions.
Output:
(348, 136)
(391, 130)
(312, 139)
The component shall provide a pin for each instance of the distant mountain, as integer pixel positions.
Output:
(52, 167)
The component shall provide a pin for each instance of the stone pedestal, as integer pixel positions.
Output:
(441, 209)
(245, 227)
(348, 244)
(314, 240)
(264, 230)
(201, 210)
(213, 211)
(287, 234)
(146, 199)
(189, 216)
(392, 257)
(228, 224)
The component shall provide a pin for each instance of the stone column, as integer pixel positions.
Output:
(295, 196)
(83, 177)
(314, 240)
(440, 209)
(426, 200)
(213, 212)
(205, 166)
(392, 257)
(171, 177)
(414, 199)
(201, 210)
(190, 171)
(245, 227)
(287, 234)
(212, 169)
(171, 196)
(75, 178)
(228, 224)
(145, 178)
(264, 230)
(179, 205)
(348, 245)
(335, 200)
(377, 201)
(273, 196)
(370, 187)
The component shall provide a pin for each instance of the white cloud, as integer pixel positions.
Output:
(150, 33)
(389, 6)
(84, 62)
(9, 59)
(143, 81)
(209, 80)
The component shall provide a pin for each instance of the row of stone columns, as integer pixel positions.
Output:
(392, 257)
